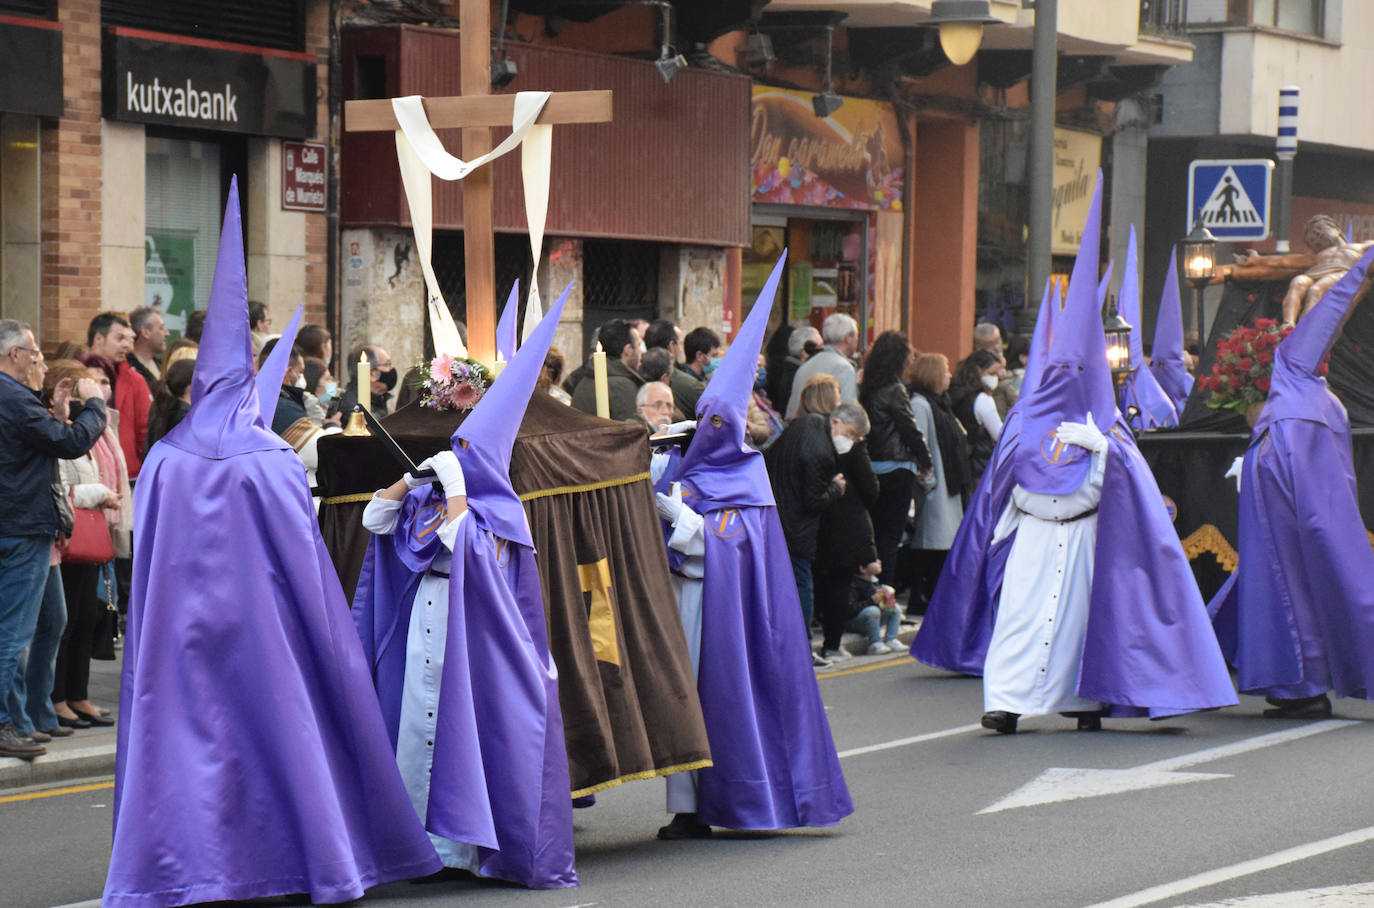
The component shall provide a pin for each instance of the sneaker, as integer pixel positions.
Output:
(12, 745)
(896, 645)
(836, 655)
(817, 661)
(878, 649)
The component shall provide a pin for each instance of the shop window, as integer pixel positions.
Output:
(183, 211)
(36, 9)
(1305, 16)
(279, 24)
(619, 280)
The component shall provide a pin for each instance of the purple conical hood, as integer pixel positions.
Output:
(1296, 390)
(1140, 389)
(505, 328)
(225, 418)
(274, 369)
(490, 431)
(1040, 340)
(1104, 285)
(1166, 359)
(1076, 380)
(722, 471)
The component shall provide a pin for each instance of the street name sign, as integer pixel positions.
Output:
(1232, 198)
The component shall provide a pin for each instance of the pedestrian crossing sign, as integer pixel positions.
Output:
(1231, 198)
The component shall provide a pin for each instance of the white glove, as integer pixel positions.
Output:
(1084, 434)
(670, 506)
(413, 483)
(1236, 466)
(450, 473)
(678, 427)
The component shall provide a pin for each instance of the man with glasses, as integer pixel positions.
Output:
(31, 440)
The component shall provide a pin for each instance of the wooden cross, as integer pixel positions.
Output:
(476, 111)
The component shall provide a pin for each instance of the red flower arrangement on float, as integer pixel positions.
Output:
(1245, 360)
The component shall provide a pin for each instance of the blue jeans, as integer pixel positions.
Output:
(30, 699)
(801, 570)
(869, 620)
(23, 574)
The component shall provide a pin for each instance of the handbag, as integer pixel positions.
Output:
(90, 542)
(106, 630)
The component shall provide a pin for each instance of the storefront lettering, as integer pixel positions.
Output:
(815, 154)
(178, 101)
(1079, 187)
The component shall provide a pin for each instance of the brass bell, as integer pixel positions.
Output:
(357, 425)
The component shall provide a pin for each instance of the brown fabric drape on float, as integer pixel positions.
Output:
(629, 700)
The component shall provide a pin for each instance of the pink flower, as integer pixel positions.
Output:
(441, 368)
(464, 396)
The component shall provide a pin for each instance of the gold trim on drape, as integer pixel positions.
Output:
(1207, 538)
(589, 487)
(637, 776)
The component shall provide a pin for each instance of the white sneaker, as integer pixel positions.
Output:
(896, 646)
(878, 649)
(817, 661)
(836, 655)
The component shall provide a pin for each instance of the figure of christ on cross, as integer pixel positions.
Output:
(476, 111)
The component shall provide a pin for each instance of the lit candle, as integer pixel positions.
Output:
(603, 391)
(365, 383)
(499, 366)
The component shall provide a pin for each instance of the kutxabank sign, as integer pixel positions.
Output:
(197, 87)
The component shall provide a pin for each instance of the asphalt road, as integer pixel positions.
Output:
(1268, 816)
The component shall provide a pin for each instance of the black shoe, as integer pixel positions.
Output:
(64, 722)
(1000, 721)
(1088, 720)
(58, 731)
(37, 737)
(1318, 707)
(94, 718)
(685, 826)
(12, 745)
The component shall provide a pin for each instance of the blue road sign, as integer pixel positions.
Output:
(1231, 198)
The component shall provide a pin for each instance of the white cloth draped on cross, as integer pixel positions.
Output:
(420, 153)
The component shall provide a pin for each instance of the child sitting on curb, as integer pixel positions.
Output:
(873, 611)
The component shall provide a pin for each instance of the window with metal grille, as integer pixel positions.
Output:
(279, 24)
(512, 264)
(36, 9)
(619, 280)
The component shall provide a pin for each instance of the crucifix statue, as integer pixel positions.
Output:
(476, 111)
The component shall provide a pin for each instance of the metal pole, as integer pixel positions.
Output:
(1198, 292)
(1040, 154)
(1285, 149)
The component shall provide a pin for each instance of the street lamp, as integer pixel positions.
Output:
(1199, 253)
(1118, 333)
(961, 26)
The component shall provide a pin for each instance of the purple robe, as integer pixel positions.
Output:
(1166, 359)
(1140, 389)
(252, 758)
(500, 779)
(1296, 619)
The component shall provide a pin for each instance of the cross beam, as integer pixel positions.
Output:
(476, 112)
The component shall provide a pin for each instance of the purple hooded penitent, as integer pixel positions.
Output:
(1296, 618)
(505, 326)
(1148, 649)
(252, 758)
(1140, 389)
(774, 759)
(273, 370)
(500, 777)
(1166, 355)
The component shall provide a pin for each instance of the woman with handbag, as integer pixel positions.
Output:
(86, 561)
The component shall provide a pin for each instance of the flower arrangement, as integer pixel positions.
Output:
(452, 382)
(1244, 363)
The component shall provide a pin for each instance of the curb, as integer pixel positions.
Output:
(68, 764)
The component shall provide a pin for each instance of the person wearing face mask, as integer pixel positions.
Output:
(702, 349)
(291, 398)
(321, 392)
(970, 394)
(383, 375)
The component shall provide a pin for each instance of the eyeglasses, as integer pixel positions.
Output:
(32, 351)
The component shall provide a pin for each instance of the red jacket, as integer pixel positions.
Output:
(132, 399)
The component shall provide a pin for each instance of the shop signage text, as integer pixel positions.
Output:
(175, 84)
(304, 176)
(1077, 155)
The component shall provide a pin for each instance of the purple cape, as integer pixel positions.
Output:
(774, 759)
(252, 757)
(1296, 618)
(1148, 648)
(500, 778)
(1140, 389)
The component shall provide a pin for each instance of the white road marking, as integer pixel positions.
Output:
(1244, 868)
(1067, 784)
(903, 742)
(93, 903)
(1360, 895)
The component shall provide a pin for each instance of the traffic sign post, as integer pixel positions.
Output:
(1231, 198)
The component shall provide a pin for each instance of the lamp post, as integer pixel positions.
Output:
(961, 26)
(1199, 253)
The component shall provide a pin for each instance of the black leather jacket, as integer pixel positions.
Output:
(801, 464)
(893, 435)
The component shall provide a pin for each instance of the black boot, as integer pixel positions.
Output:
(1000, 721)
(1088, 720)
(1318, 707)
(685, 826)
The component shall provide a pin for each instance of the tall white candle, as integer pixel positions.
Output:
(603, 391)
(365, 383)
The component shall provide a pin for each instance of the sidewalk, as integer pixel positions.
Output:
(88, 753)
